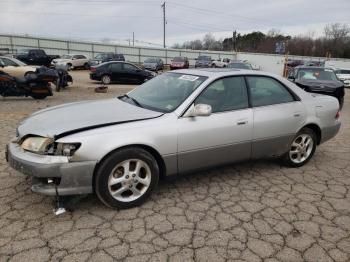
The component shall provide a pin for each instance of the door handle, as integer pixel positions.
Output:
(239, 123)
(296, 115)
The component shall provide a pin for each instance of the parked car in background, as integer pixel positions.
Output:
(153, 64)
(222, 62)
(71, 61)
(106, 57)
(344, 75)
(120, 72)
(179, 122)
(179, 62)
(14, 67)
(203, 61)
(319, 80)
(240, 65)
(35, 57)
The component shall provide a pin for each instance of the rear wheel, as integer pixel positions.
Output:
(126, 178)
(69, 67)
(301, 149)
(106, 79)
(86, 66)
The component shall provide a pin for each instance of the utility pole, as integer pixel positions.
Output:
(133, 38)
(164, 22)
(234, 35)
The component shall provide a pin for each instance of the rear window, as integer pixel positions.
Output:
(179, 59)
(205, 58)
(343, 71)
(316, 74)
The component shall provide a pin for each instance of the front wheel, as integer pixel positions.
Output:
(301, 149)
(126, 178)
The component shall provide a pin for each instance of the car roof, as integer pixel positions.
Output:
(221, 72)
(315, 67)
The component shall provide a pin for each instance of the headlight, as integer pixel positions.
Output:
(36, 144)
(45, 145)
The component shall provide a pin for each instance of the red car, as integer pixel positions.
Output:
(179, 63)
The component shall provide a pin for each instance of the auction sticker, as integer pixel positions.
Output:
(188, 77)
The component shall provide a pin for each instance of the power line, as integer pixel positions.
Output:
(203, 10)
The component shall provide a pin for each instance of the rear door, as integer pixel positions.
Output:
(278, 115)
(224, 136)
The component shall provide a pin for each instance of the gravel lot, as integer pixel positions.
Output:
(257, 211)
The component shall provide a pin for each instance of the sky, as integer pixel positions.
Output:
(116, 20)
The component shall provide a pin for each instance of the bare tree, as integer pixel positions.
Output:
(336, 31)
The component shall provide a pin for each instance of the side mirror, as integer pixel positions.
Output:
(199, 110)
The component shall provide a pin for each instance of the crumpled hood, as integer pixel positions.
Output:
(319, 84)
(79, 116)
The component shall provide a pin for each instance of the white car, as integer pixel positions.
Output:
(71, 61)
(344, 75)
(222, 62)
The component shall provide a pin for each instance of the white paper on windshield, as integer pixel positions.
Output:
(188, 77)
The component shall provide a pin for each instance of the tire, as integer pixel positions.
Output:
(69, 67)
(86, 66)
(38, 96)
(113, 168)
(27, 74)
(106, 79)
(301, 149)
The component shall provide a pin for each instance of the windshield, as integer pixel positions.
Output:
(100, 56)
(150, 60)
(179, 59)
(239, 65)
(66, 57)
(316, 74)
(343, 71)
(204, 58)
(166, 92)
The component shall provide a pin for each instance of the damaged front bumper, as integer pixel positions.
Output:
(70, 178)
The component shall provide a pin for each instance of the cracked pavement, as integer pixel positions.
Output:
(254, 211)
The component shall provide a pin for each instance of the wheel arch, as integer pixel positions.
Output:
(149, 149)
(314, 127)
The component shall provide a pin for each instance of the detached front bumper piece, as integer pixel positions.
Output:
(70, 178)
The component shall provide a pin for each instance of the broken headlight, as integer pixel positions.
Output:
(46, 146)
(36, 144)
(63, 149)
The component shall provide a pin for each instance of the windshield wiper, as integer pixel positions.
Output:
(134, 100)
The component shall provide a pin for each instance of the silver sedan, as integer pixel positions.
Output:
(179, 122)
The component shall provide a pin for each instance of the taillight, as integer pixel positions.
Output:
(337, 115)
(93, 69)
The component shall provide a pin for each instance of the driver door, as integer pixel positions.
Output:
(224, 136)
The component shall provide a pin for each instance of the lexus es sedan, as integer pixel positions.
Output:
(178, 122)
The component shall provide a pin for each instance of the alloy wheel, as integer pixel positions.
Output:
(301, 148)
(129, 180)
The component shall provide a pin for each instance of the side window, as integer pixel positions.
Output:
(9, 62)
(225, 94)
(267, 91)
(130, 67)
(117, 67)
